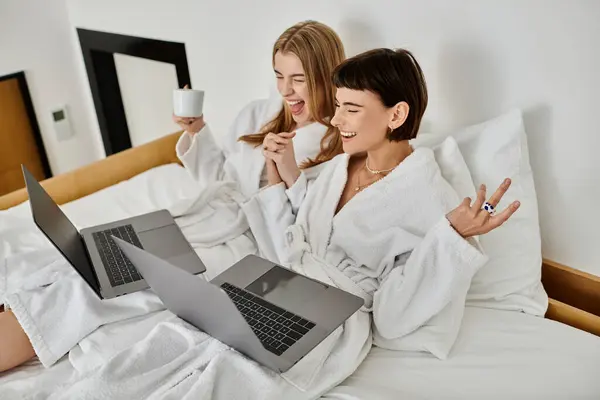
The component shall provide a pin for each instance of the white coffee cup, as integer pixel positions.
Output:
(188, 103)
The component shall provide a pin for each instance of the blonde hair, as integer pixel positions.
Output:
(320, 50)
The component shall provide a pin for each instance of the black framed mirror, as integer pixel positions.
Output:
(98, 50)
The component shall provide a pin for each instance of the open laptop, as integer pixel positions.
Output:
(94, 254)
(267, 312)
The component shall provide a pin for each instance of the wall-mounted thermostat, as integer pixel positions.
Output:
(62, 124)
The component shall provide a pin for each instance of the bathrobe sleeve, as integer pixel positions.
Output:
(271, 211)
(204, 158)
(420, 304)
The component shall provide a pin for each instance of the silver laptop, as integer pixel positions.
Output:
(94, 254)
(265, 311)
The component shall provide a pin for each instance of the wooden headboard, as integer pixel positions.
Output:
(574, 295)
(104, 173)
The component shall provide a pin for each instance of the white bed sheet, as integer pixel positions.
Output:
(149, 191)
(498, 355)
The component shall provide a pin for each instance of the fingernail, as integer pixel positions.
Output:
(517, 204)
(482, 187)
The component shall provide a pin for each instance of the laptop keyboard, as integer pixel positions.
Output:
(276, 328)
(120, 270)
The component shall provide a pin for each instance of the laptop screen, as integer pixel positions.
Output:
(58, 229)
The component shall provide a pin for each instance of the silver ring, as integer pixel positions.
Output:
(489, 208)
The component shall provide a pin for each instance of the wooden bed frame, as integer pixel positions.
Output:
(574, 295)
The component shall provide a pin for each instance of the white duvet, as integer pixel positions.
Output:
(28, 260)
(498, 354)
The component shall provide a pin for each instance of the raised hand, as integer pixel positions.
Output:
(190, 125)
(279, 148)
(473, 220)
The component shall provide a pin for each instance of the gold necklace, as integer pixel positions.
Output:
(358, 186)
(376, 171)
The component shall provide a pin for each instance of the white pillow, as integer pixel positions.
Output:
(453, 167)
(495, 150)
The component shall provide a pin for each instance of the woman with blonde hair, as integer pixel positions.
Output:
(304, 57)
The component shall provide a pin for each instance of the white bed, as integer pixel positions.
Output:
(498, 355)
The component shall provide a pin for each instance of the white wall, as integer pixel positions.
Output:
(146, 89)
(35, 37)
(480, 58)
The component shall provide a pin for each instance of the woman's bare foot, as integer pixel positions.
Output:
(15, 347)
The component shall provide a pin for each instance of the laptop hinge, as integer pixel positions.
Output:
(96, 285)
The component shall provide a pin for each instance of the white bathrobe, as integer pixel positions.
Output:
(237, 161)
(391, 244)
(228, 175)
(58, 310)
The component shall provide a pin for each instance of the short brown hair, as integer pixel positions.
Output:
(393, 75)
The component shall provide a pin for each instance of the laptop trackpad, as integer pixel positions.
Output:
(281, 286)
(164, 242)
